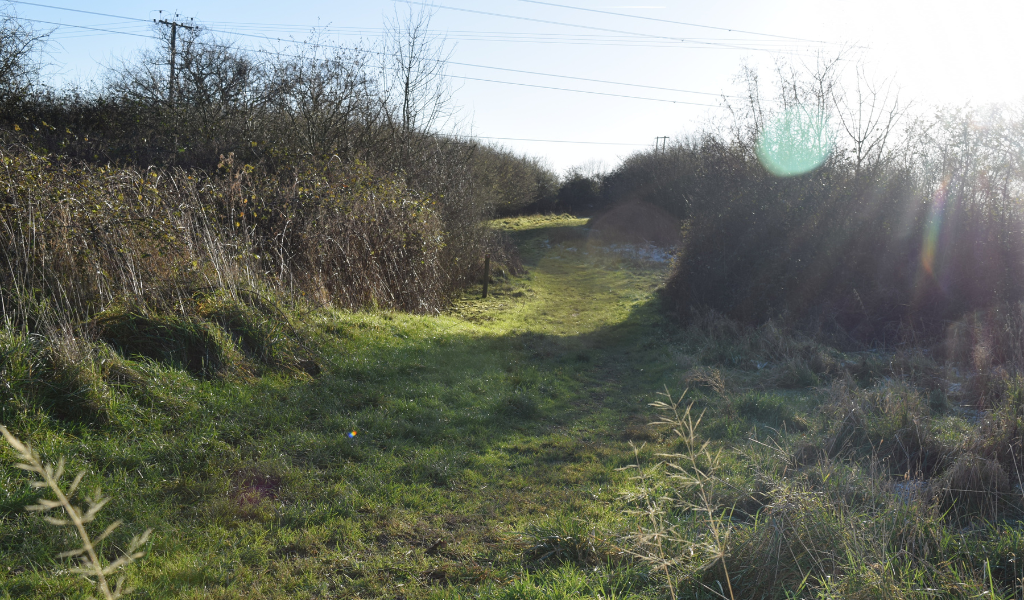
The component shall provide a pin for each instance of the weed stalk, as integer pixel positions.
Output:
(91, 567)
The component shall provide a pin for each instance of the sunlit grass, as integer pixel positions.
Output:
(470, 428)
(481, 454)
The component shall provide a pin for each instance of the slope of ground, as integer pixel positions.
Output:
(480, 436)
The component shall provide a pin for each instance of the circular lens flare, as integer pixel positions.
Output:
(795, 142)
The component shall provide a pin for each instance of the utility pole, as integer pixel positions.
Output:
(174, 35)
(664, 143)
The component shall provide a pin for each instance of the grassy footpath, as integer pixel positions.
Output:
(484, 460)
(480, 454)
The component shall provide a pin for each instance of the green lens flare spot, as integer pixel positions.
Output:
(796, 142)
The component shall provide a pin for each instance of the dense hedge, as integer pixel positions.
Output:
(908, 241)
(77, 239)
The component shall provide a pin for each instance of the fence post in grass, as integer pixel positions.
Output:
(487, 272)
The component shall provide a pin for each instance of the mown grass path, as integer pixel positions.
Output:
(482, 436)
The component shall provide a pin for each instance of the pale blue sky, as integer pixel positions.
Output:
(939, 52)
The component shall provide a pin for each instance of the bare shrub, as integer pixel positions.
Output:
(20, 59)
(321, 100)
(580, 192)
(636, 223)
(512, 184)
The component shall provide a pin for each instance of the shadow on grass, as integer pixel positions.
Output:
(475, 389)
(415, 424)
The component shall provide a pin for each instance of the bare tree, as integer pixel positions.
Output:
(144, 77)
(754, 102)
(326, 96)
(869, 115)
(215, 78)
(413, 74)
(20, 58)
(212, 76)
(802, 100)
(218, 95)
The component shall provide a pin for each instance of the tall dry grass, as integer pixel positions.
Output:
(842, 526)
(78, 239)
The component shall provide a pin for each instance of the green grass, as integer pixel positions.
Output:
(474, 428)
(504, 450)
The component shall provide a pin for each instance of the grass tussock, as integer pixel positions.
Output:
(887, 473)
(564, 540)
(839, 528)
(792, 359)
(892, 489)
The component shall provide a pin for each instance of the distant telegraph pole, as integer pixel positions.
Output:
(174, 36)
(663, 143)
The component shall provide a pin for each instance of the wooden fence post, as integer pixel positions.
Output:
(487, 272)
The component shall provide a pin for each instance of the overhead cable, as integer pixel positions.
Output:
(485, 137)
(87, 27)
(576, 25)
(615, 14)
(451, 76)
(338, 47)
(547, 87)
(87, 12)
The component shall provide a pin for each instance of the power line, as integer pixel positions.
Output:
(87, 27)
(461, 64)
(452, 76)
(515, 70)
(450, 62)
(615, 14)
(526, 72)
(547, 87)
(87, 12)
(568, 39)
(484, 137)
(534, 36)
(506, 69)
(631, 34)
(781, 37)
(650, 87)
(578, 26)
(696, 41)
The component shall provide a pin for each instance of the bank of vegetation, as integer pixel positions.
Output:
(907, 221)
(311, 171)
